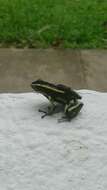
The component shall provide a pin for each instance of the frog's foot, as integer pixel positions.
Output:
(50, 111)
(45, 113)
(67, 118)
(64, 119)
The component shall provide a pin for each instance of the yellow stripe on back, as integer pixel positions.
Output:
(48, 87)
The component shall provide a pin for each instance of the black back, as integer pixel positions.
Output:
(64, 97)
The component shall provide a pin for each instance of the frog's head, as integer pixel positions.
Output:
(36, 85)
(39, 86)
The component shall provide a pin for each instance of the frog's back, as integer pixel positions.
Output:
(71, 94)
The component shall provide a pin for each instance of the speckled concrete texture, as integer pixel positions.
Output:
(80, 69)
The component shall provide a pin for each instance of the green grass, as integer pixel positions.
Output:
(59, 23)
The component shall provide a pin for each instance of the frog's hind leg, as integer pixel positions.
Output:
(71, 112)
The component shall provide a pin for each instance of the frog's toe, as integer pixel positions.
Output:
(44, 115)
(42, 111)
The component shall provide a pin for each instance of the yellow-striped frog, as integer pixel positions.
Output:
(59, 94)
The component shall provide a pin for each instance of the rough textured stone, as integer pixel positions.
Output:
(95, 69)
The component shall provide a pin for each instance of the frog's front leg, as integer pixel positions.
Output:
(51, 109)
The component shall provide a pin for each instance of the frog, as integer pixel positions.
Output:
(58, 94)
